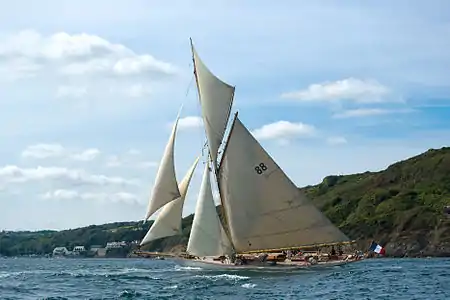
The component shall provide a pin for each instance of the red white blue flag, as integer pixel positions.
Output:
(377, 248)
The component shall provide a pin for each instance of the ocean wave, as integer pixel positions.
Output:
(130, 273)
(147, 279)
(129, 294)
(232, 277)
(180, 268)
(171, 287)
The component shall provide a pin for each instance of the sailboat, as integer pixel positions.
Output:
(263, 211)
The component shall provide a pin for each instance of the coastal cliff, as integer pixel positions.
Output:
(401, 207)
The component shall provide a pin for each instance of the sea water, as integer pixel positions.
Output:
(44, 278)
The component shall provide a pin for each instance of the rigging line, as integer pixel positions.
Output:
(185, 95)
(190, 84)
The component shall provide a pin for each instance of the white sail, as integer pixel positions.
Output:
(165, 188)
(216, 98)
(208, 237)
(264, 209)
(168, 222)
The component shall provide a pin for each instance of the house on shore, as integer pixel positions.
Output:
(60, 251)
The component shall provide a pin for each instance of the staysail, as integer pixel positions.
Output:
(165, 188)
(216, 99)
(207, 237)
(265, 210)
(168, 222)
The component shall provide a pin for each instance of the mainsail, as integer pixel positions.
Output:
(207, 237)
(165, 188)
(265, 210)
(216, 99)
(168, 222)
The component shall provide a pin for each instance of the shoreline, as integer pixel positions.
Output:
(156, 255)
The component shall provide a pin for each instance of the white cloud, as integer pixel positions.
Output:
(138, 91)
(336, 140)
(62, 194)
(71, 91)
(284, 130)
(28, 52)
(147, 164)
(366, 112)
(42, 151)
(347, 89)
(139, 64)
(190, 122)
(15, 174)
(133, 152)
(115, 161)
(86, 155)
(17, 68)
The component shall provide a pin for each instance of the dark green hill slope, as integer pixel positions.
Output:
(401, 207)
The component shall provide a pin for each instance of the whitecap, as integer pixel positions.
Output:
(179, 268)
(171, 287)
(223, 276)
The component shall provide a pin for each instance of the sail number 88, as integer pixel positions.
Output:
(261, 168)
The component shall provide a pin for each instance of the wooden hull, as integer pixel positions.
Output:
(209, 263)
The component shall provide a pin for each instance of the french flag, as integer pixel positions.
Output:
(377, 248)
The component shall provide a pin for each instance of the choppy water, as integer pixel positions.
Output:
(148, 279)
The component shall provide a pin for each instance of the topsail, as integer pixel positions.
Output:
(216, 99)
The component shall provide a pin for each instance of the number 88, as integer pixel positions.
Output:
(261, 168)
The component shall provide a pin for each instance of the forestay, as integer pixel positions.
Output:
(216, 99)
(265, 210)
(165, 188)
(208, 237)
(168, 222)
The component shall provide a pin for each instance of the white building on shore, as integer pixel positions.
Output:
(60, 251)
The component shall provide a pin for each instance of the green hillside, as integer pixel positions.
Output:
(401, 207)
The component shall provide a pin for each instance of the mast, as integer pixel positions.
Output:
(213, 80)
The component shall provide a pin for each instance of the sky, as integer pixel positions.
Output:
(89, 90)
